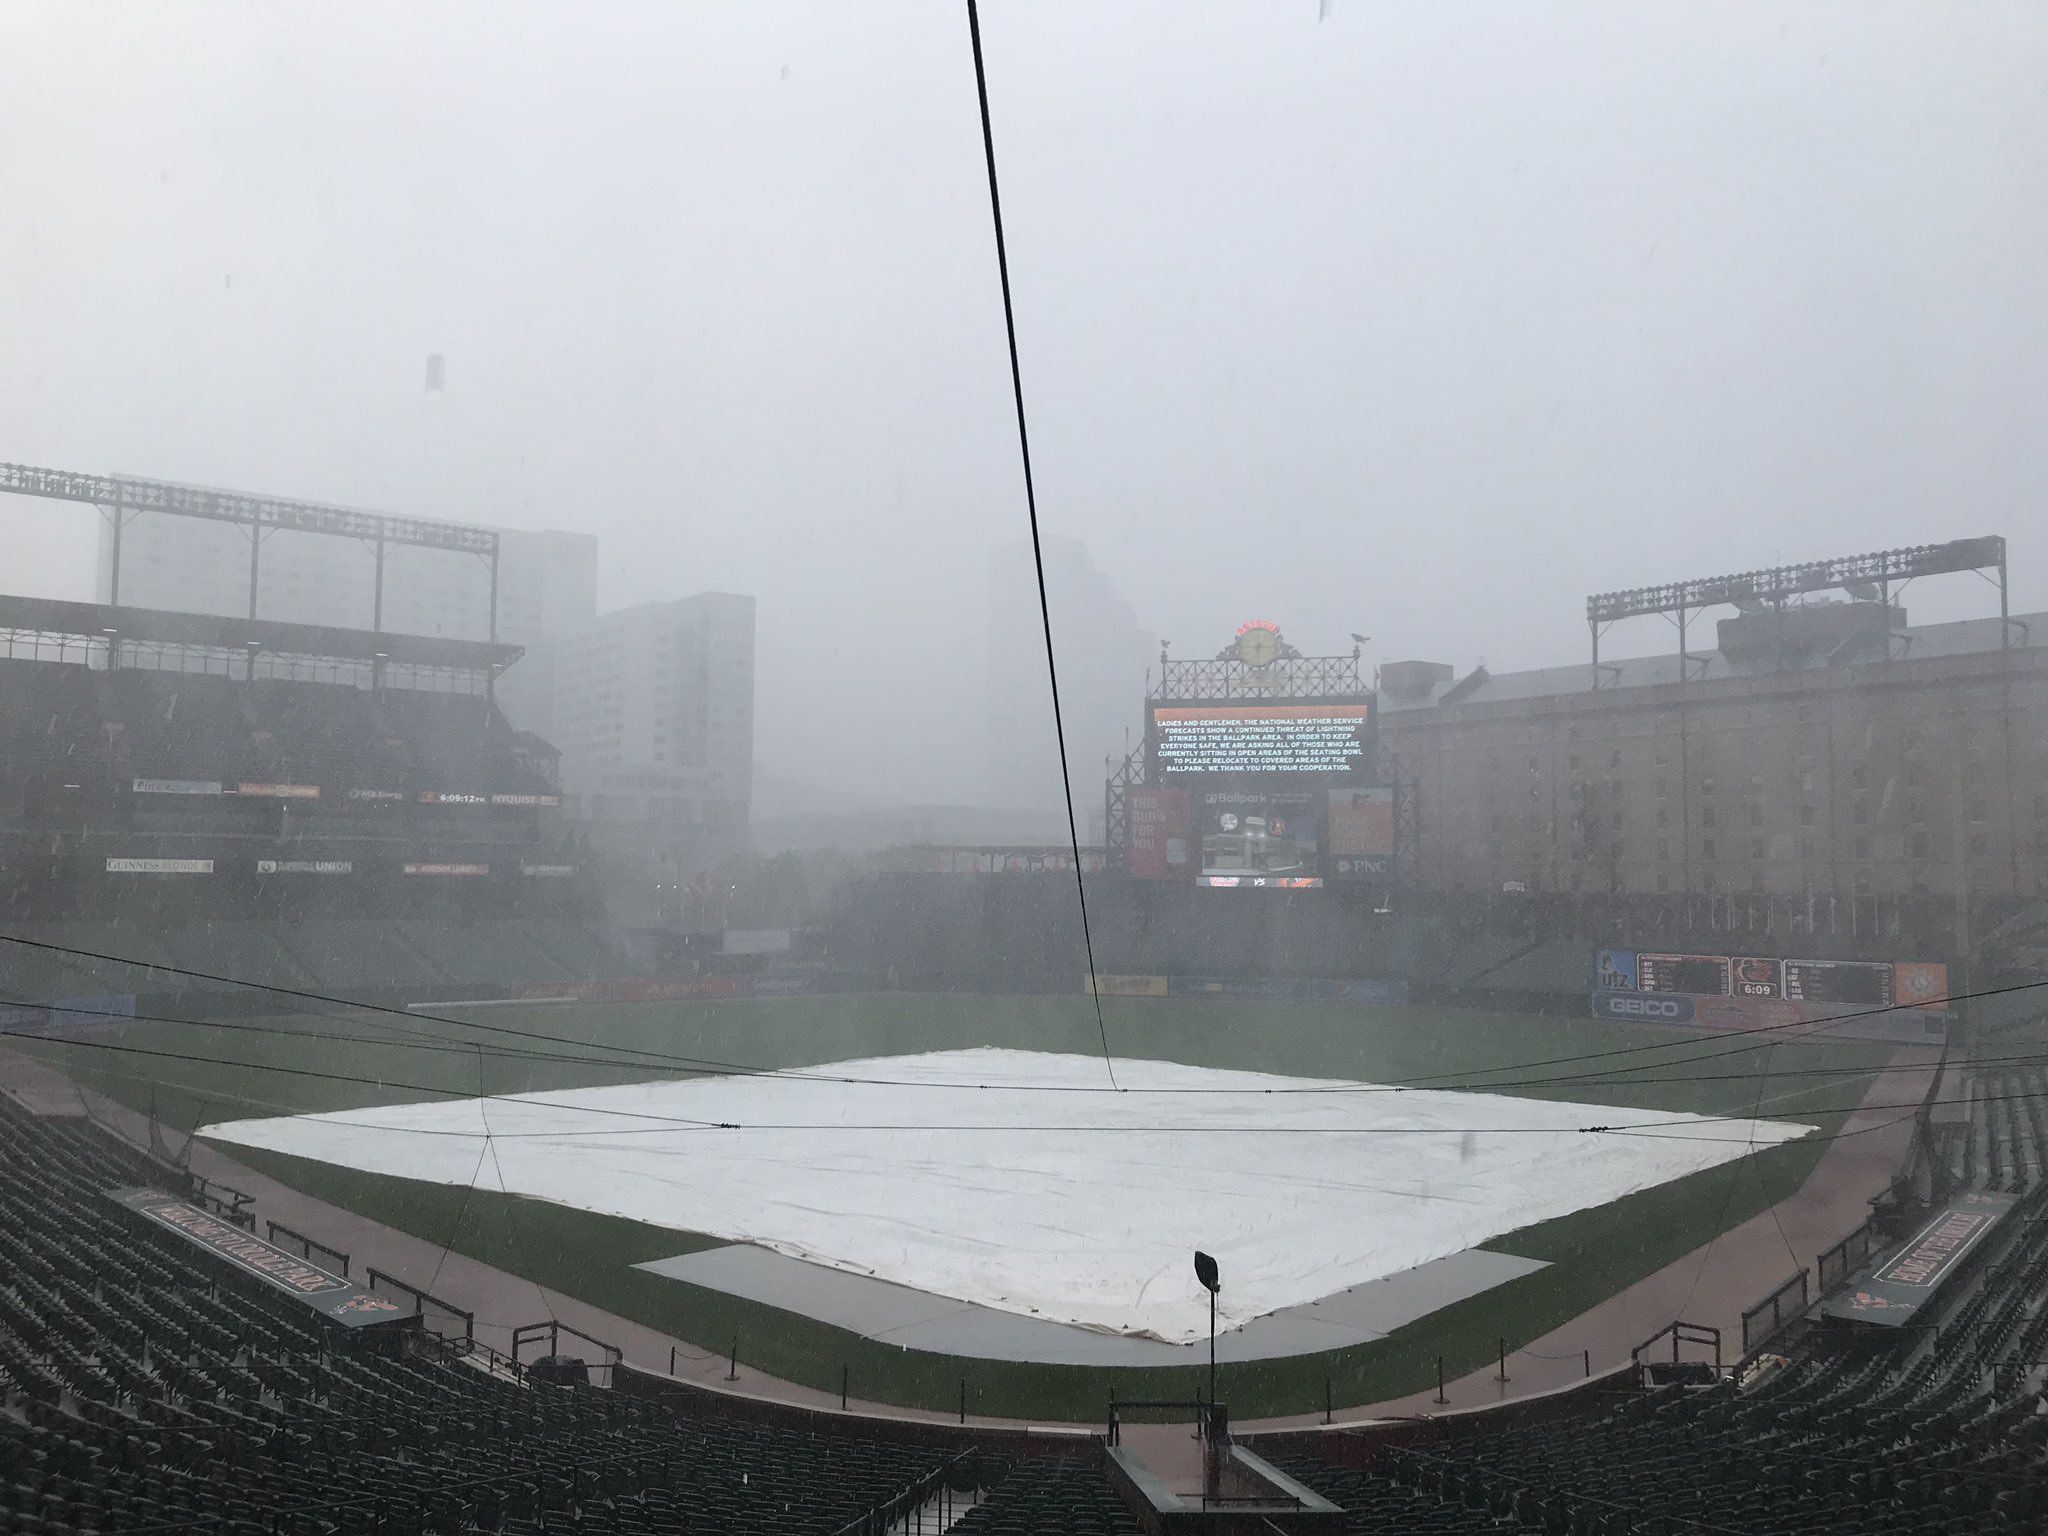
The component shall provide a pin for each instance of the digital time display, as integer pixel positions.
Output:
(1755, 976)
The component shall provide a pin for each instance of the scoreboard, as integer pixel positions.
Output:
(1711, 975)
(1694, 975)
(1872, 984)
(1839, 981)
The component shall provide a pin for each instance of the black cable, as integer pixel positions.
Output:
(347, 1077)
(1706, 1037)
(797, 1074)
(995, 205)
(1678, 1118)
(1647, 1128)
(704, 1066)
(691, 1063)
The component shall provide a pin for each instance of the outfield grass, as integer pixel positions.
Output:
(276, 1066)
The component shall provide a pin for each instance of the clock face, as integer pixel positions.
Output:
(1258, 647)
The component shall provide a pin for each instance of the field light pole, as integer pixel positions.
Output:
(1212, 1282)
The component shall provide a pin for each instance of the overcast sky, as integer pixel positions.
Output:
(1419, 320)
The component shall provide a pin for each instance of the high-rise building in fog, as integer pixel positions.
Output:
(654, 718)
(1103, 652)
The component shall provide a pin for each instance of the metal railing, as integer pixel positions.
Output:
(473, 1349)
(1845, 1258)
(421, 1300)
(552, 1331)
(225, 1200)
(1680, 1332)
(308, 1246)
(893, 1513)
(1763, 1321)
(1289, 677)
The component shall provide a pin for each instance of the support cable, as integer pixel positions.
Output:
(995, 204)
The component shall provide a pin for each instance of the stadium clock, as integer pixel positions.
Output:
(1258, 646)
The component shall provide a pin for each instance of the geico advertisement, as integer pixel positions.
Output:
(1656, 1007)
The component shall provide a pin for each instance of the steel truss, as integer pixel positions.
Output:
(1872, 576)
(121, 498)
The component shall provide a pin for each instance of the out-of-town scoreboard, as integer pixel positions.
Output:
(1748, 991)
(1870, 983)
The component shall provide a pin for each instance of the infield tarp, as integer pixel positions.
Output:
(1023, 1181)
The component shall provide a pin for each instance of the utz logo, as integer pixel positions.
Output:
(1616, 970)
(367, 1304)
(1865, 1302)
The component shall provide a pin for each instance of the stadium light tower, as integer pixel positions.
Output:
(1212, 1282)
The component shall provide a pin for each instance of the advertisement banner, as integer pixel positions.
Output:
(305, 866)
(781, 986)
(1362, 823)
(547, 870)
(1379, 992)
(633, 989)
(1239, 986)
(380, 796)
(177, 786)
(280, 791)
(447, 869)
(1614, 970)
(1907, 1278)
(1125, 986)
(1920, 984)
(1159, 833)
(1643, 1007)
(321, 1289)
(159, 866)
(69, 1015)
(526, 799)
(1728, 1012)
(73, 1014)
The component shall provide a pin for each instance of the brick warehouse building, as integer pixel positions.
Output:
(1820, 751)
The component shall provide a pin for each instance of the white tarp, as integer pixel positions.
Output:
(1083, 1207)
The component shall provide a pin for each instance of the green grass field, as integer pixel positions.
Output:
(190, 1074)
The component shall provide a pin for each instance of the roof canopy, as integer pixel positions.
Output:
(156, 626)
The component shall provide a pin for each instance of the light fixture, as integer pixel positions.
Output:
(1212, 1282)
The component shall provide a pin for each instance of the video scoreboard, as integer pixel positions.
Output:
(1269, 792)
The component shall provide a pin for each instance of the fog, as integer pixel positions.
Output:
(1412, 321)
